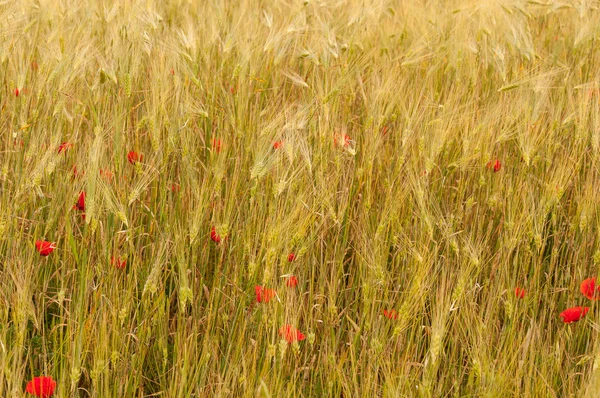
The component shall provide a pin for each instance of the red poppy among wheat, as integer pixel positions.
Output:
(573, 314)
(216, 145)
(263, 295)
(291, 334)
(519, 292)
(42, 386)
(215, 236)
(134, 157)
(118, 263)
(390, 314)
(80, 205)
(44, 247)
(292, 281)
(291, 257)
(343, 140)
(64, 146)
(496, 165)
(589, 289)
(277, 144)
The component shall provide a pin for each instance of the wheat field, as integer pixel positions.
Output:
(318, 198)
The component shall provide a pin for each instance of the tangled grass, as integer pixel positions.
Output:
(420, 159)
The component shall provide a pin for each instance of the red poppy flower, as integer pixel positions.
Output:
(589, 289)
(42, 386)
(80, 205)
(214, 235)
(496, 165)
(277, 144)
(134, 157)
(118, 263)
(216, 145)
(291, 334)
(44, 248)
(519, 292)
(343, 140)
(292, 281)
(291, 257)
(574, 314)
(263, 295)
(64, 146)
(175, 188)
(391, 314)
(346, 140)
(16, 92)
